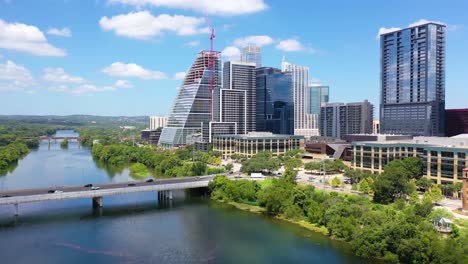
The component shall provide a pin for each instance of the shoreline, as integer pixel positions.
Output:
(301, 223)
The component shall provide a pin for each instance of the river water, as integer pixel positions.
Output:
(136, 228)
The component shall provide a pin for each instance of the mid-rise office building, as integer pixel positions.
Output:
(252, 54)
(237, 97)
(193, 104)
(274, 101)
(157, 122)
(376, 126)
(319, 95)
(456, 122)
(412, 99)
(305, 123)
(254, 142)
(443, 158)
(340, 119)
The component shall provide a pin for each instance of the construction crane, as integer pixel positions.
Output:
(211, 62)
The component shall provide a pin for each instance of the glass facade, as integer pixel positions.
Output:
(318, 96)
(192, 106)
(274, 101)
(252, 54)
(413, 81)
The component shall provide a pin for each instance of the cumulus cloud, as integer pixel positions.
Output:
(179, 76)
(292, 45)
(422, 21)
(120, 69)
(11, 71)
(218, 7)
(260, 41)
(143, 25)
(123, 84)
(26, 38)
(64, 32)
(193, 43)
(231, 53)
(14, 77)
(59, 75)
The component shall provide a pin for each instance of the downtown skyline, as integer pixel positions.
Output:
(72, 64)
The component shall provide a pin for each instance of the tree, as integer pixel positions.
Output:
(424, 183)
(335, 182)
(198, 168)
(290, 175)
(294, 212)
(64, 144)
(229, 166)
(315, 213)
(293, 163)
(364, 186)
(393, 183)
(313, 166)
(434, 194)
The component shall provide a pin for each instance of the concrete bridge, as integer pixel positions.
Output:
(164, 187)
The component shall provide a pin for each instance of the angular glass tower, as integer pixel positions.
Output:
(275, 104)
(192, 107)
(412, 98)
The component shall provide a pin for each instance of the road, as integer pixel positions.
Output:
(105, 186)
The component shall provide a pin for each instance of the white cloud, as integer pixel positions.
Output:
(193, 43)
(26, 38)
(231, 53)
(12, 72)
(14, 77)
(260, 41)
(59, 75)
(383, 31)
(120, 69)
(422, 21)
(123, 84)
(218, 7)
(292, 45)
(179, 76)
(314, 81)
(143, 25)
(64, 32)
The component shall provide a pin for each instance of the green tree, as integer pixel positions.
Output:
(290, 175)
(64, 144)
(294, 212)
(229, 166)
(364, 186)
(335, 182)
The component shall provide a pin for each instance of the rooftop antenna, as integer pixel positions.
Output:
(211, 62)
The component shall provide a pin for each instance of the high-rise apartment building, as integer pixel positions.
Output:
(340, 119)
(412, 100)
(157, 122)
(236, 100)
(252, 54)
(192, 106)
(456, 122)
(305, 123)
(275, 104)
(319, 95)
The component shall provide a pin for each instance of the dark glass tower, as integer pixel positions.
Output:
(412, 99)
(274, 101)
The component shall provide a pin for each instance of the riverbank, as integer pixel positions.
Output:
(262, 211)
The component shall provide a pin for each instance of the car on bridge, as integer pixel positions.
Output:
(131, 184)
(88, 185)
(95, 188)
(6, 196)
(150, 180)
(55, 191)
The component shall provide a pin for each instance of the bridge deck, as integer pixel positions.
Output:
(74, 192)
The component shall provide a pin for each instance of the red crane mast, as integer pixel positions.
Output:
(211, 63)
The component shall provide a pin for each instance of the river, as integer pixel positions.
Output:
(135, 228)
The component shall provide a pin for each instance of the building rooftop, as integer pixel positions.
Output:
(460, 141)
(260, 135)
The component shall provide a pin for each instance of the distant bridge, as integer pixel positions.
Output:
(164, 187)
(52, 138)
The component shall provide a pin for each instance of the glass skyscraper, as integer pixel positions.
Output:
(412, 99)
(192, 106)
(318, 95)
(252, 54)
(275, 104)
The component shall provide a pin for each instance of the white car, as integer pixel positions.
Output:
(95, 188)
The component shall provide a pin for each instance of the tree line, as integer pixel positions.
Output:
(395, 227)
(170, 163)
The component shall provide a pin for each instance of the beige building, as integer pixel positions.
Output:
(444, 158)
(254, 142)
(157, 122)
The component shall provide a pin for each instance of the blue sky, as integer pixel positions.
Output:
(126, 57)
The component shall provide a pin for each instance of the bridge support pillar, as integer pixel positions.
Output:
(170, 195)
(16, 210)
(97, 202)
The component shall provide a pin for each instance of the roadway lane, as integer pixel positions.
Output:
(104, 186)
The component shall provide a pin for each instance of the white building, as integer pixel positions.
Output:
(157, 122)
(305, 123)
(252, 54)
